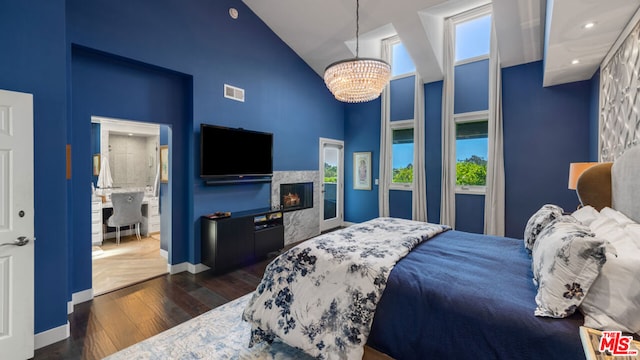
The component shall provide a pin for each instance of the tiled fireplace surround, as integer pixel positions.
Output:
(298, 224)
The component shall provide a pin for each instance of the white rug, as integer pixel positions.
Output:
(217, 334)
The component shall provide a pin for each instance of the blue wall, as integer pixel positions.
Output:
(32, 34)
(362, 133)
(545, 129)
(433, 148)
(402, 98)
(471, 87)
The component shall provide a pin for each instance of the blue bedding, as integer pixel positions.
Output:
(468, 296)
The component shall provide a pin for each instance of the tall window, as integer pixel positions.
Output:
(471, 151)
(402, 152)
(401, 62)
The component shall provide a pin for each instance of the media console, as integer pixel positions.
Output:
(240, 239)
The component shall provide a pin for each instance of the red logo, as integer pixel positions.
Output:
(616, 344)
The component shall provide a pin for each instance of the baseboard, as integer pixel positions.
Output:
(82, 296)
(198, 268)
(69, 307)
(347, 223)
(51, 336)
(164, 254)
(178, 268)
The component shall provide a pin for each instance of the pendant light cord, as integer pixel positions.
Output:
(357, 27)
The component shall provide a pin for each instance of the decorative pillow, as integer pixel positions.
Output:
(567, 258)
(586, 214)
(613, 302)
(539, 221)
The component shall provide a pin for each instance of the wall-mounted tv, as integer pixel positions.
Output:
(230, 155)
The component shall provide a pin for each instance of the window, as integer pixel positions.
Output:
(471, 152)
(402, 154)
(473, 38)
(401, 62)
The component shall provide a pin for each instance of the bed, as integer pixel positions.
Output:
(459, 295)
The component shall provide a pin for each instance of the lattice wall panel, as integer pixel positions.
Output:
(620, 99)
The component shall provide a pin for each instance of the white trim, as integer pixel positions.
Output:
(348, 223)
(471, 189)
(178, 268)
(402, 76)
(471, 59)
(621, 38)
(338, 221)
(471, 116)
(82, 296)
(51, 336)
(69, 307)
(164, 254)
(197, 268)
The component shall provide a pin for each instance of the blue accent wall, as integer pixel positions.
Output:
(402, 98)
(471, 87)
(400, 202)
(109, 86)
(32, 34)
(545, 129)
(362, 133)
(470, 213)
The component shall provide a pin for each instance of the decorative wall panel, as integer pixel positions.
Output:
(620, 99)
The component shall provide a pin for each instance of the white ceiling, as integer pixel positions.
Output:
(322, 32)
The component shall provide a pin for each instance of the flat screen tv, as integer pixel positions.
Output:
(235, 155)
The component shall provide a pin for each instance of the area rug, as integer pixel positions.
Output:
(217, 334)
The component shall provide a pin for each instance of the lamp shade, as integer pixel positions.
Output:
(575, 170)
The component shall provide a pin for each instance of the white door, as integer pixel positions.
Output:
(16, 225)
(331, 180)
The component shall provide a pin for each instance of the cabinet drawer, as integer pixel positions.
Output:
(154, 209)
(96, 228)
(96, 216)
(96, 205)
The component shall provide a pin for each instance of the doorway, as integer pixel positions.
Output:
(127, 159)
(332, 183)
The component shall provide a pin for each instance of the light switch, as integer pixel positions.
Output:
(376, 181)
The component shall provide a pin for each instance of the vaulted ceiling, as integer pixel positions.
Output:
(322, 32)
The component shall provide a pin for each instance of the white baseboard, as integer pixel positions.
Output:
(347, 223)
(51, 336)
(186, 266)
(78, 298)
(178, 268)
(69, 307)
(198, 268)
(164, 254)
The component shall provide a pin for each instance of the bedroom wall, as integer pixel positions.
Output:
(283, 95)
(544, 130)
(32, 34)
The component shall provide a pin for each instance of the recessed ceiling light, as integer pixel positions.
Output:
(589, 25)
(130, 134)
(575, 62)
(233, 12)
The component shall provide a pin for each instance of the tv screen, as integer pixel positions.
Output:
(233, 154)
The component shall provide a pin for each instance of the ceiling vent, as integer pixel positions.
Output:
(233, 93)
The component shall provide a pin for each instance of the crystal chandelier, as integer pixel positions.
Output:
(359, 79)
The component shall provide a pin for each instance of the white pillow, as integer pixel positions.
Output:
(566, 260)
(538, 221)
(619, 217)
(608, 229)
(613, 302)
(586, 214)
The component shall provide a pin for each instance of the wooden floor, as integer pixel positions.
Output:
(133, 261)
(121, 318)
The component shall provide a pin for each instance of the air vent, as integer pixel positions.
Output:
(233, 93)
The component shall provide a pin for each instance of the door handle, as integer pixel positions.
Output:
(21, 241)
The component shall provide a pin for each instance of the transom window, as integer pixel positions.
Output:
(401, 62)
(473, 39)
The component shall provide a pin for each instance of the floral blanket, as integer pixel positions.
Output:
(321, 295)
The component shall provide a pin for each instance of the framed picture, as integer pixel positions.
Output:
(164, 164)
(362, 170)
(96, 164)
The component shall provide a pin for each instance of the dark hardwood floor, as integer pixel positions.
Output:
(116, 320)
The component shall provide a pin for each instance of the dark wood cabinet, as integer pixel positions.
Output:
(240, 239)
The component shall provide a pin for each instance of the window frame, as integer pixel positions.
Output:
(468, 117)
(391, 42)
(400, 125)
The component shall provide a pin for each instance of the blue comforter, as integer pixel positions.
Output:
(468, 296)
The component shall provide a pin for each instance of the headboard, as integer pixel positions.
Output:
(625, 183)
(616, 186)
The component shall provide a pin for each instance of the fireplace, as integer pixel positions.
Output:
(296, 196)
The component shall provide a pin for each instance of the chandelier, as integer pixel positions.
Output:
(359, 79)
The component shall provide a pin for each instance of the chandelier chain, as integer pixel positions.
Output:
(357, 28)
